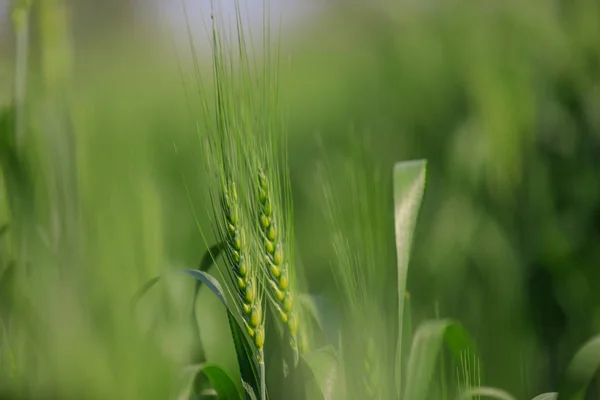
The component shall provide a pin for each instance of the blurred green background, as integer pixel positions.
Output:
(502, 98)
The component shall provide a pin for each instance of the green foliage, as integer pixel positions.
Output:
(426, 346)
(245, 354)
(501, 104)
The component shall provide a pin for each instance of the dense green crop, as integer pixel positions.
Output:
(84, 222)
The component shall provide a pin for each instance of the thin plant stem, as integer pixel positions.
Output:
(263, 382)
(442, 359)
(21, 24)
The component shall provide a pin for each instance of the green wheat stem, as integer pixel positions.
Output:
(263, 379)
(20, 17)
(442, 359)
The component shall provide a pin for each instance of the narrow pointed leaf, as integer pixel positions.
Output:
(426, 347)
(409, 185)
(143, 290)
(208, 260)
(244, 351)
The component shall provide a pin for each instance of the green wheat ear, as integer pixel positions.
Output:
(242, 272)
(277, 268)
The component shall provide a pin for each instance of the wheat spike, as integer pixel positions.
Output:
(276, 266)
(243, 274)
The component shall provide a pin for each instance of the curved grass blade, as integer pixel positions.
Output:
(220, 381)
(243, 349)
(202, 379)
(546, 396)
(426, 346)
(409, 185)
(582, 369)
(323, 367)
(488, 392)
(143, 290)
(207, 261)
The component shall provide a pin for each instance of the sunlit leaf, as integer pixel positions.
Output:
(409, 185)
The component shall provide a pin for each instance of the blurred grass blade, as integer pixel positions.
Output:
(323, 367)
(546, 396)
(581, 370)
(487, 392)
(426, 346)
(143, 290)
(243, 349)
(207, 261)
(409, 184)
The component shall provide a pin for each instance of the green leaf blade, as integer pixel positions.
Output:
(581, 371)
(409, 185)
(426, 346)
(244, 350)
(221, 382)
